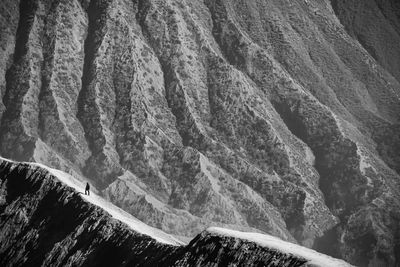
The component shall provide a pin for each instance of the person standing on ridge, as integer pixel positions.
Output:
(87, 188)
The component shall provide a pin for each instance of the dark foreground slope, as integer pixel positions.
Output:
(46, 223)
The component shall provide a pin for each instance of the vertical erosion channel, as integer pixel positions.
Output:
(14, 142)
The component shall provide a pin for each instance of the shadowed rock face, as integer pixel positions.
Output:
(273, 116)
(46, 223)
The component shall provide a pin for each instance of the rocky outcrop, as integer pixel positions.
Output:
(45, 222)
(273, 116)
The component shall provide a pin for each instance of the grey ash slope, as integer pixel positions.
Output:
(45, 222)
(273, 116)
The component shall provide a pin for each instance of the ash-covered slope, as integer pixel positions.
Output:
(267, 116)
(45, 221)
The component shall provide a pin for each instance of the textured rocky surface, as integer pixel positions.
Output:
(44, 222)
(274, 116)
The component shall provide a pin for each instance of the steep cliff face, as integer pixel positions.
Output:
(45, 221)
(272, 116)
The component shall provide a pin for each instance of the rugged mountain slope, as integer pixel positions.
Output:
(264, 115)
(46, 222)
(376, 25)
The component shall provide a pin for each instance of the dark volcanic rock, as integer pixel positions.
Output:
(274, 116)
(46, 223)
(208, 249)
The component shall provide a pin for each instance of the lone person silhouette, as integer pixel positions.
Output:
(87, 188)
